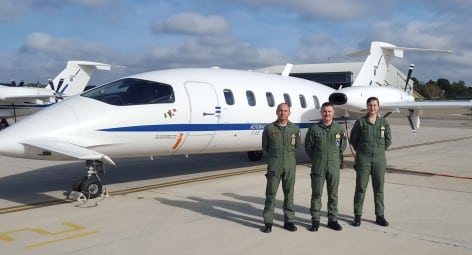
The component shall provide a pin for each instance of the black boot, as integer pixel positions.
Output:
(334, 225)
(357, 221)
(314, 226)
(380, 220)
(267, 228)
(290, 226)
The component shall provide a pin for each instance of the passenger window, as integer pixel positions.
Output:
(229, 98)
(270, 99)
(317, 102)
(251, 99)
(302, 101)
(287, 99)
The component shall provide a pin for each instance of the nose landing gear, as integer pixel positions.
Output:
(91, 185)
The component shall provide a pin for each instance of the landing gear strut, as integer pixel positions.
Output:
(91, 185)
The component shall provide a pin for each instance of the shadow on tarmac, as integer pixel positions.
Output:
(243, 212)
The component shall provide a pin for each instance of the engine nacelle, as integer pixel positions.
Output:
(337, 98)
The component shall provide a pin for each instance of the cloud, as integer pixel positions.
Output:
(204, 53)
(191, 23)
(43, 43)
(92, 3)
(334, 10)
(10, 10)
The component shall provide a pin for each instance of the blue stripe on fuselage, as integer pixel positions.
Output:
(24, 106)
(194, 127)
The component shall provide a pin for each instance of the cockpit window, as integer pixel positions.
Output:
(130, 91)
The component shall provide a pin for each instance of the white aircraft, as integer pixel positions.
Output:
(167, 112)
(20, 101)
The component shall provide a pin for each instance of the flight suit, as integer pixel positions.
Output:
(280, 144)
(370, 140)
(325, 145)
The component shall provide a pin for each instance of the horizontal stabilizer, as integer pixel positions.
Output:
(424, 105)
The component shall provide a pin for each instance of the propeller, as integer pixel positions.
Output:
(410, 70)
(22, 83)
(57, 89)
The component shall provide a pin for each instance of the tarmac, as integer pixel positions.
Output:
(212, 204)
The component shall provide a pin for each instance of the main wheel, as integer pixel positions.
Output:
(91, 187)
(254, 155)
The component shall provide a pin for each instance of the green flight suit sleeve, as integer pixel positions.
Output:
(298, 141)
(343, 141)
(388, 135)
(265, 139)
(309, 143)
(354, 136)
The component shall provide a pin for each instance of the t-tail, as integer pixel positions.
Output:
(374, 70)
(75, 77)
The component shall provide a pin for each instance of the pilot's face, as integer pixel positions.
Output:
(283, 112)
(327, 113)
(373, 107)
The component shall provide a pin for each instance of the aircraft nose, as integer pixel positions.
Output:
(9, 146)
(50, 123)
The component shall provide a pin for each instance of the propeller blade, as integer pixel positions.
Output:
(51, 84)
(61, 81)
(410, 70)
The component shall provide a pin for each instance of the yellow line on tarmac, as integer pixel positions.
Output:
(32, 206)
(197, 179)
(61, 239)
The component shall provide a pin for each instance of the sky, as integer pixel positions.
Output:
(38, 37)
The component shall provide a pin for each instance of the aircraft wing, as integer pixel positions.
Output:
(423, 105)
(67, 149)
(24, 98)
(415, 108)
(25, 94)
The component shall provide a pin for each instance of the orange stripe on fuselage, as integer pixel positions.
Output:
(179, 140)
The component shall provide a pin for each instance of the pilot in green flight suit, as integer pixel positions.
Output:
(280, 140)
(324, 144)
(370, 137)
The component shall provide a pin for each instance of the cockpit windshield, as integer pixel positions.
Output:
(131, 91)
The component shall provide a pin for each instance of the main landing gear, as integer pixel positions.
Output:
(91, 185)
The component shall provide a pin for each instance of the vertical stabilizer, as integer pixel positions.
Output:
(76, 76)
(374, 70)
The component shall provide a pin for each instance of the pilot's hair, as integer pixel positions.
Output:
(327, 104)
(278, 106)
(373, 98)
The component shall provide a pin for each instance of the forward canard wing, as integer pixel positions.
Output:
(48, 147)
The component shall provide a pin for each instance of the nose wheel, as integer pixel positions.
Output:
(91, 185)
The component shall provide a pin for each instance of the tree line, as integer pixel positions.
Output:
(442, 89)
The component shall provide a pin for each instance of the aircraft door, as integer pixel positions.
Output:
(204, 114)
